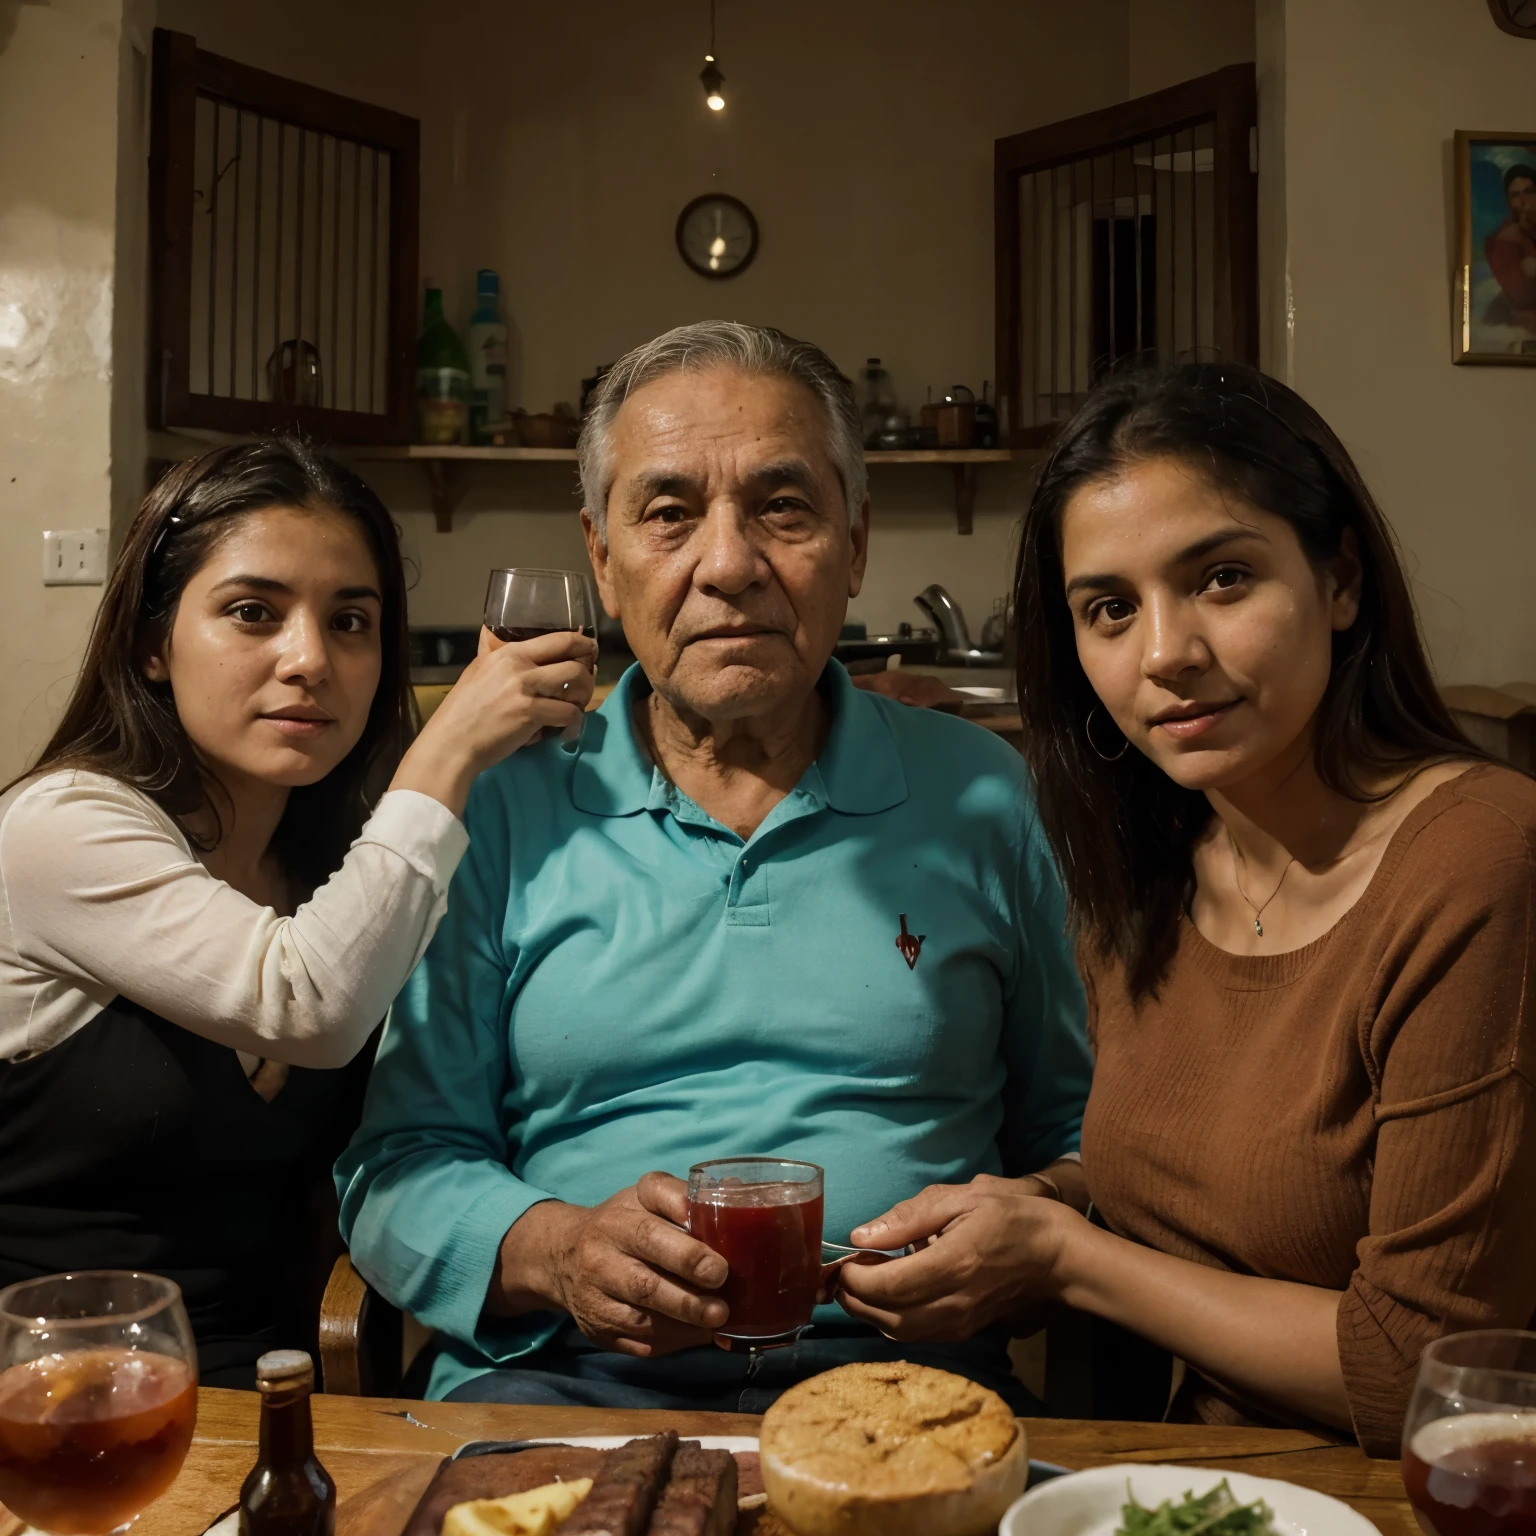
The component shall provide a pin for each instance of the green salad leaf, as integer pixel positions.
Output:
(1215, 1513)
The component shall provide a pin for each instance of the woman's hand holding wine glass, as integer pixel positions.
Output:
(508, 696)
(531, 678)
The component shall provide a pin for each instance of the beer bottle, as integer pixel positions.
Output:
(288, 1492)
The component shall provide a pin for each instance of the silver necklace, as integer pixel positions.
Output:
(1258, 912)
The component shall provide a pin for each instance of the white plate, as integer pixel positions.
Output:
(1089, 1503)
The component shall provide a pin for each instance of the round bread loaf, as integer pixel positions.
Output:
(891, 1450)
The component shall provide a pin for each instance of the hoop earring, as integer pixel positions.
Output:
(1109, 757)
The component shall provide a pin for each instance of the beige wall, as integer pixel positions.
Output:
(1176, 40)
(363, 48)
(561, 147)
(61, 69)
(559, 144)
(1275, 332)
(1370, 107)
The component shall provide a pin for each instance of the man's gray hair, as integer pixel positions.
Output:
(753, 349)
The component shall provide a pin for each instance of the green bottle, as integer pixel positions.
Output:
(442, 377)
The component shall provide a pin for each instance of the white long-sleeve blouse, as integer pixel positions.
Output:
(102, 896)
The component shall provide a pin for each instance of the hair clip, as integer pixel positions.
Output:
(174, 520)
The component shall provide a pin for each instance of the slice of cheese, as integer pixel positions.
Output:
(535, 1513)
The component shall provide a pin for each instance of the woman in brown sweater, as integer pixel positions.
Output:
(1306, 912)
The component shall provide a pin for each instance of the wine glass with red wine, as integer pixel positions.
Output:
(98, 1398)
(524, 602)
(1469, 1441)
(762, 1215)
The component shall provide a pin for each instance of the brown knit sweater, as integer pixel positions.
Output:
(1358, 1114)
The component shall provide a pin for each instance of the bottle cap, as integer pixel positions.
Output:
(284, 1367)
(486, 281)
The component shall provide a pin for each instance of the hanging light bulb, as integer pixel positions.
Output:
(710, 76)
(713, 80)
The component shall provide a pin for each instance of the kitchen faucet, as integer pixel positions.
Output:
(954, 633)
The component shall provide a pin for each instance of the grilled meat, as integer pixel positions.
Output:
(700, 1496)
(625, 1491)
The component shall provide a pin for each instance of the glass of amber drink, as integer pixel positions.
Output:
(1469, 1440)
(98, 1398)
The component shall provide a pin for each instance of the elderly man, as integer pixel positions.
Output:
(677, 939)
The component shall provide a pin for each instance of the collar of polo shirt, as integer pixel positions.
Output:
(858, 773)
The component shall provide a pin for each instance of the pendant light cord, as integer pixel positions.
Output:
(711, 28)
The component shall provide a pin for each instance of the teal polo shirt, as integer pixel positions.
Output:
(621, 983)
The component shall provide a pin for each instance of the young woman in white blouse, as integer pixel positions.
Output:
(201, 922)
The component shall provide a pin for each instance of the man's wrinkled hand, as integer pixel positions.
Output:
(627, 1271)
(986, 1250)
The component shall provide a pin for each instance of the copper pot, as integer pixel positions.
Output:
(546, 430)
(956, 424)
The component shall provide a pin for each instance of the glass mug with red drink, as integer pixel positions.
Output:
(762, 1215)
(98, 1398)
(1469, 1440)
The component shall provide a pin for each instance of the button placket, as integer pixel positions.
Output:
(747, 899)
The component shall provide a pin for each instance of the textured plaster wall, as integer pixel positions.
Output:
(62, 70)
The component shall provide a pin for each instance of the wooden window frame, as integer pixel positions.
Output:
(1230, 98)
(182, 73)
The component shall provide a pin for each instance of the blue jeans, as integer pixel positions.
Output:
(571, 1371)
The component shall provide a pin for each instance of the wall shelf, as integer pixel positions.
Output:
(443, 466)
(451, 454)
(448, 486)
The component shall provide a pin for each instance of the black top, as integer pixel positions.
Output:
(135, 1144)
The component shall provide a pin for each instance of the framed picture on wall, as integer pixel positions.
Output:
(1496, 248)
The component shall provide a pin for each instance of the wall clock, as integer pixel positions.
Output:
(717, 235)
(1515, 16)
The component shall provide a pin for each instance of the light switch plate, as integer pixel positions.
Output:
(74, 557)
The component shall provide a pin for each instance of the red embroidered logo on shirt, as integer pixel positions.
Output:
(910, 944)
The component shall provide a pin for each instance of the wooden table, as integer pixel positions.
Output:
(382, 1451)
